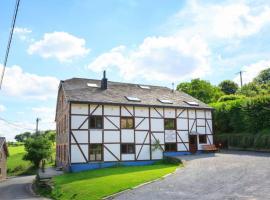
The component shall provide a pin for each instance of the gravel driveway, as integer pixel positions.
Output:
(229, 175)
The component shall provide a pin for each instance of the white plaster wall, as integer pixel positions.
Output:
(157, 112)
(124, 111)
(200, 122)
(182, 124)
(111, 136)
(157, 136)
(95, 136)
(201, 130)
(157, 153)
(141, 112)
(170, 136)
(200, 113)
(145, 152)
(115, 149)
(183, 112)
(80, 136)
(112, 110)
(127, 135)
(181, 147)
(183, 135)
(208, 114)
(192, 125)
(191, 113)
(128, 156)
(209, 128)
(79, 109)
(76, 155)
(109, 125)
(76, 121)
(140, 136)
(144, 125)
(169, 113)
(157, 124)
(97, 111)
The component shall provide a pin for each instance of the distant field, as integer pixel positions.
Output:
(95, 184)
(15, 163)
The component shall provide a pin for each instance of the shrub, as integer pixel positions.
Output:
(230, 97)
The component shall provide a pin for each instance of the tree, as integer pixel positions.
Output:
(37, 148)
(263, 77)
(251, 89)
(22, 137)
(228, 87)
(50, 134)
(201, 89)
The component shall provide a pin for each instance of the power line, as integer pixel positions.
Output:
(9, 40)
(14, 125)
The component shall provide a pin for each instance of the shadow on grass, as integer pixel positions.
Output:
(71, 177)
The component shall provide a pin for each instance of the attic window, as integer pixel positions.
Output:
(133, 99)
(192, 103)
(166, 101)
(144, 87)
(92, 85)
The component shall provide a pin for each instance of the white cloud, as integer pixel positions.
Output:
(2, 108)
(252, 70)
(60, 45)
(158, 58)
(22, 33)
(223, 21)
(46, 114)
(18, 83)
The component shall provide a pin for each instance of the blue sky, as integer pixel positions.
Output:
(151, 42)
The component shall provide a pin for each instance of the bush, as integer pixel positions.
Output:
(230, 97)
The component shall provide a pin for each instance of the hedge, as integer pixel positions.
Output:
(249, 115)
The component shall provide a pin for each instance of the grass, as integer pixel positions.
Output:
(96, 184)
(17, 166)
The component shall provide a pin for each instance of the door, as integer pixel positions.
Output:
(193, 143)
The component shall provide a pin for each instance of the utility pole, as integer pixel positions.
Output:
(241, 80)
(37, 121)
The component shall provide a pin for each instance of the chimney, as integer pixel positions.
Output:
(104, 80)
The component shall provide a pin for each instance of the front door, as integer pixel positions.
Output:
(193, 143)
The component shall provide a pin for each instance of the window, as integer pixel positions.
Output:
(95, 152)
(96, 122)
(170, 147)
(144, 87)
(92, 85)
(165, 101)
(127, 122)
(169, 124)
(133, 99)
(202, 139)
(127, 148)
(192, 103)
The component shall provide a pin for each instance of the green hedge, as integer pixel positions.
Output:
(249, 115)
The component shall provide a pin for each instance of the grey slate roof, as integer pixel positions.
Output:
(76, 90)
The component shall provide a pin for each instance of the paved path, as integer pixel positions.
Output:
(17, 188)
(223, 176)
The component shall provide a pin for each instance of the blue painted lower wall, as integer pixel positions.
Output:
(91, 166)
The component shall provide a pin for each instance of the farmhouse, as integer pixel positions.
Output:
(3, 158)
(104, 123)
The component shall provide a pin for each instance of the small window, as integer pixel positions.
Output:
(133, 99)
(165, 101)
(127, 148)
(144, 87)
(192, 103)
(169, 124)
(202, 139)
(95, 152)
(170, 147)
(92, 85)
(127, 122)
(96, 122)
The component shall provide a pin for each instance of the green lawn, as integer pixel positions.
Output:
(99, 183)
(15, 163)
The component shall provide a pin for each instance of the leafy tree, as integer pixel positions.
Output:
(22, 137)
(38, 147)
(228, 87)
(50, 134)
(263, 77)
(251, 89)
(201, 89)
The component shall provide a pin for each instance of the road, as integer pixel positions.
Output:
(222, 176)
(17, 188)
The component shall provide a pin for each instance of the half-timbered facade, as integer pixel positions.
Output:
(3, 158)
(102, 123)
